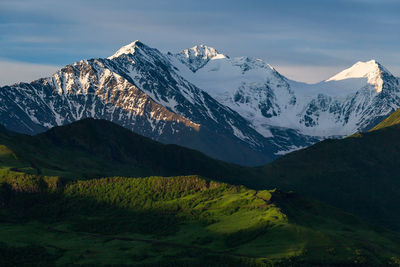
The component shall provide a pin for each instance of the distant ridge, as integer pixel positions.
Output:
(98, 148)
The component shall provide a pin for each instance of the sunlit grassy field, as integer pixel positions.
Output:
(185, 220)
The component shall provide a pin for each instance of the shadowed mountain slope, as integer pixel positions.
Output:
(359, 174)
(97, 148)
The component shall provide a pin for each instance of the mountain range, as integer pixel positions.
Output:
(239, 110)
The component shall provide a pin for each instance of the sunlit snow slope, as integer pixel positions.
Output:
(353, 100)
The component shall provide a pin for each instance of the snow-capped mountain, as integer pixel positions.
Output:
(236, 109)
(353, 100)
(139, 88)
(356, 99)
(249, 86)
(198, 56)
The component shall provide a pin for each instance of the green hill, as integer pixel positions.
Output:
(98, 148)
(393, 119)
(177, 221)
(359, 174)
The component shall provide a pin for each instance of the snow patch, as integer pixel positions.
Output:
(290, 149)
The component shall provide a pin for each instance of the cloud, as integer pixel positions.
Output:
(288, 33)
(12, 72)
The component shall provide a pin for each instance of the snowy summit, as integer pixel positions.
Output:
(371, 70)
(128, 49)
(198, 56)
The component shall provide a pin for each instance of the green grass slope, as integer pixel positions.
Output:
(393, 119)
(177, 221)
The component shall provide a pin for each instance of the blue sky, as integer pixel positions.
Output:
(308, 40)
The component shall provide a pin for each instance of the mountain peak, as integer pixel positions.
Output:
(128, 49)
(203, 51)
(372, 70)
(198, 56)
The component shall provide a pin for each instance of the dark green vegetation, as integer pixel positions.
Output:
(98, 148)
(177, 221)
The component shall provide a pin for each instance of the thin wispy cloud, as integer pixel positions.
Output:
(327, 34)
(12, 72)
